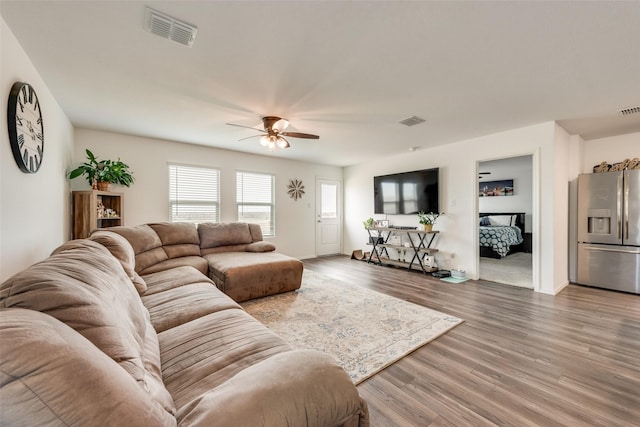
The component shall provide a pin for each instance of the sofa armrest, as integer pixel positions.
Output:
(52, 375)
(297, 388)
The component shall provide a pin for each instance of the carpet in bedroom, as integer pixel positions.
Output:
(364, 330)
(513, 270)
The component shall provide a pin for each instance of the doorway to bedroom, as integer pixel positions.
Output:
(505, 206)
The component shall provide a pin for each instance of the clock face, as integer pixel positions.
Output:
(26, 131)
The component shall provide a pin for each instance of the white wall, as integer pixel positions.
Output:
(458, 185)
(34, 208)
(561, 179)
(147, 200)
(577, 155)
(611, 150)
(520, 170)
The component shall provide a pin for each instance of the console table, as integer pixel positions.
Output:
(419, 243)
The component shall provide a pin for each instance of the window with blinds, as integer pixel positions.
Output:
(194, 194)
(254, 194)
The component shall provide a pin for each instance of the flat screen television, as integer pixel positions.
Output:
(407, 193)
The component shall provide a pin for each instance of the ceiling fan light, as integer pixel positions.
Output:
(280, 125)
(264, 140)
(282, 143)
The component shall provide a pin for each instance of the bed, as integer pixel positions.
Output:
(501, 234)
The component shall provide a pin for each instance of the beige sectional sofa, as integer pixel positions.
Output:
(104, 332)
(233, 255)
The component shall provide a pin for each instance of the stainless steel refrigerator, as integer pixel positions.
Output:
(609, 230)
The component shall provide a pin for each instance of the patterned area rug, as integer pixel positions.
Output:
(364, 330)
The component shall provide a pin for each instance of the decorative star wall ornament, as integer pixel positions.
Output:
(295, 189)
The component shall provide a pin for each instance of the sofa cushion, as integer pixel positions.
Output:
(177, 306)
(256, 232)
(247, 275)
(178, 238)
(196, 262)
(260, 247)
(293, 388)
(173, 278)
(123, 251)
(146, 244)
(227, 248)
(43, 359)
(213, 235)
(84, 286)
(200, 355)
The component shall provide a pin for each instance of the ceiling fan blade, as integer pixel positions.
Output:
(247, 127)
(484, 173)
(249, 137)
(300, 135)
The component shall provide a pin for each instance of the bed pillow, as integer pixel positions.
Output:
(503, 220)
(484, 221)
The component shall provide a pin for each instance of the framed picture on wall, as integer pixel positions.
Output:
(496, 188)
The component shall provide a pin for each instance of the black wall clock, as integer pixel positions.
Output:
(26, 131)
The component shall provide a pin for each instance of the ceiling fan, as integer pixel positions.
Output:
(274, 134)
(483, 173)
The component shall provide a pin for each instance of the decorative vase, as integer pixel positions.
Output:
(428, 227)
(104, 185)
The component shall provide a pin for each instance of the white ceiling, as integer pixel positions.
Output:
(347, 71)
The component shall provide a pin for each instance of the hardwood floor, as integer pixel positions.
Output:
(519, 359)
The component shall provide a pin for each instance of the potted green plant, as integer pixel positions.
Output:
(428, 219)
(369, 223)
(102, 173)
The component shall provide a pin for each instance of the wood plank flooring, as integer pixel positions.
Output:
(520, 359)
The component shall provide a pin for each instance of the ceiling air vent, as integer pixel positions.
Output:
(412, 121)
(629, 111)
(169, 28)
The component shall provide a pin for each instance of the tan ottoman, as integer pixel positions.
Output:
(248, 275)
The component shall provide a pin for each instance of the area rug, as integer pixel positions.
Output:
(364, 330)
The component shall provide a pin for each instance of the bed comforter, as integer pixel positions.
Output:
(500, 238)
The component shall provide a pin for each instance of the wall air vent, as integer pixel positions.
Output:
(169, 28)
(629, 111)
(412, 121)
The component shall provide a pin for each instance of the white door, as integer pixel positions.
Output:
(328, 217)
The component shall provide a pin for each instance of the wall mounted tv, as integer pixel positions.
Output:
(407, 193)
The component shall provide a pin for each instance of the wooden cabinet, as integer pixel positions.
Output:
(96, 209)
(413, 243)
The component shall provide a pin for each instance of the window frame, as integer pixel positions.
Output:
(216, 203)
(272, 204)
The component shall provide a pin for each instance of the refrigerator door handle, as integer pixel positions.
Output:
(594, 248)
(619, 202)
(626, 208)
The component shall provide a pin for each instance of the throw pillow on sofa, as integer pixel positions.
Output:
(261, 247)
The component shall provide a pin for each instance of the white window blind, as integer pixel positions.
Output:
(254, 194)
(194, 194)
